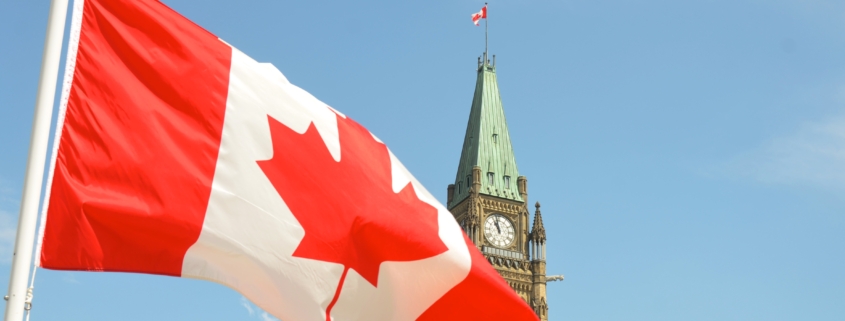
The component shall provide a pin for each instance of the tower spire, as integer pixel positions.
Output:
(487, 144)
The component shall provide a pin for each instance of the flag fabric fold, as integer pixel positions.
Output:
(179, 155)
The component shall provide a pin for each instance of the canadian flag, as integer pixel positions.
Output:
(179, 155)
(476, 17)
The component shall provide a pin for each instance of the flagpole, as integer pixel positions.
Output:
(16, 302)
(487, 9)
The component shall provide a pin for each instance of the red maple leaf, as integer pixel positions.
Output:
(348, 209)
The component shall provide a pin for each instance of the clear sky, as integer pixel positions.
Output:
(689, 155)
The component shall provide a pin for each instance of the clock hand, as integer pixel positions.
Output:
(497, 226)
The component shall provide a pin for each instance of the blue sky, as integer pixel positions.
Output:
(689, 155)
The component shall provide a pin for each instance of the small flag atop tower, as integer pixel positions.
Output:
(476, 17)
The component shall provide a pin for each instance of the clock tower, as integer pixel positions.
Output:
(490, 199)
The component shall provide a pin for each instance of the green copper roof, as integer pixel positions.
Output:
(487, 144)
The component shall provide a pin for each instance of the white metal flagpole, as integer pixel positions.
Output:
(486, 13)
(25, 240)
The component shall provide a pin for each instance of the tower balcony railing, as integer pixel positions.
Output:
(502, 253)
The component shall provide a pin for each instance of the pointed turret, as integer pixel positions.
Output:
(537, 239)
(538, 232)
(487, 145)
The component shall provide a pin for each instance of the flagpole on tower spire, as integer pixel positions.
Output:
(486, 19)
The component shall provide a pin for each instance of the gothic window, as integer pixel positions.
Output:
(490, 178)
(495, 138)
(469, 181)
(507, 182)
(459, 187)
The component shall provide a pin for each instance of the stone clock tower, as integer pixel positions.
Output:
(490, 199)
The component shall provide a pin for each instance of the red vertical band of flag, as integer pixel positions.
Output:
(137, 154)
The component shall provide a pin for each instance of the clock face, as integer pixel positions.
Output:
(498, 230)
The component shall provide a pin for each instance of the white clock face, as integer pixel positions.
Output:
(498, 230)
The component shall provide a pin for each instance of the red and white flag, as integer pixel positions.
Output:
(476, 17)
(179, 155)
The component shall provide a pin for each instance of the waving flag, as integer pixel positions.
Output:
(476, 17)
(179, 155)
